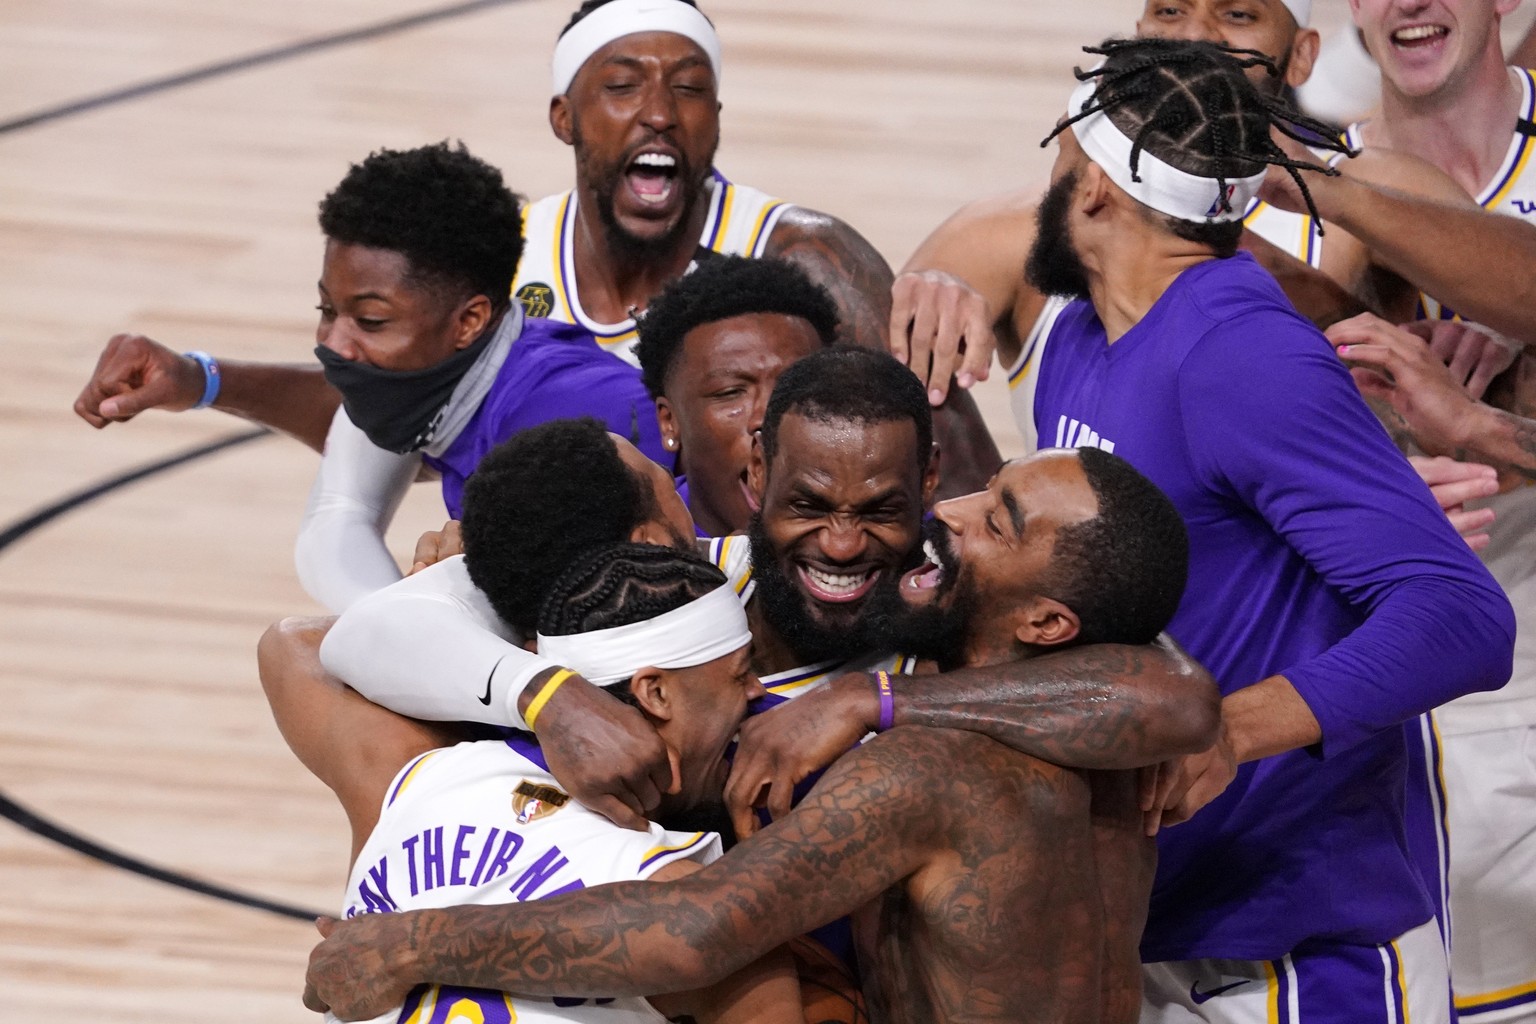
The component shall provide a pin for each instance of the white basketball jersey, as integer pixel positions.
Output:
(732, 555)
(787, 685)
(1294, 233)
(1511, 551)
(739, 223)
(485, 823)
(1024, 374)
(1511, 190)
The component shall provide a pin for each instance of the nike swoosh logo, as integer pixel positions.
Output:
(1200, 997)
(486, 700)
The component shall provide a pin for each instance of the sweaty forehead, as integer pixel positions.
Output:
(846, 453)
(1050, 482)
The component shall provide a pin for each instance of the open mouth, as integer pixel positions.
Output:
(836, 587)
(1414, 36)
(929, 575)
(652, 177)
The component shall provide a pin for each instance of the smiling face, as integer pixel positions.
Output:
(1423, 46)
(643, 117)
(716, 391)
(373, 311)
(842, 507)
(983, 589)
(1263, 25)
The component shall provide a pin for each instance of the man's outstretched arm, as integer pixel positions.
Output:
(135, 373)
(868, 824)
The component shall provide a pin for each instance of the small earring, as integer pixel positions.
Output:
(671, 443)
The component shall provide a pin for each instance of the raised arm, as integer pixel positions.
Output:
(1479, 262)
(135, 373)
(869, 823)
(962, 294)
(859, 280)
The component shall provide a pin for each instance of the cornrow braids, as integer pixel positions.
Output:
(1190, 104)
(622, 584)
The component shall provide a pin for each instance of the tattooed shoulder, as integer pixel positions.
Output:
(844, 262)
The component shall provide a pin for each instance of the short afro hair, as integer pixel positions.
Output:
(844, 383)
(591, 5)
(719, 288)
(622, 584)
(447, 212)
(1123, 571)
(537, 502)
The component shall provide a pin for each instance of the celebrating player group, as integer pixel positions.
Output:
(748, 683)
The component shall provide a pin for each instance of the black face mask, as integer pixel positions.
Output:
(398, 409)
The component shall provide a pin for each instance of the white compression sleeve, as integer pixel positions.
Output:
(340, 554)
(430, 646)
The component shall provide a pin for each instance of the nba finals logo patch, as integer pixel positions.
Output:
(531, 801)
(537, 299)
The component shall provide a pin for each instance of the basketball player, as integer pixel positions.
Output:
(438, 824)
(841, 509)
(1329, 597)
(1448, 97)
(405, 231)
(635, 95)
(965, 283)
(712, 345)
(972, 869)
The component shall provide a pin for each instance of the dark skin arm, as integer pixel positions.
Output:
(842, 261)
(1315, 295)
(1395, 367)
(868, 824)
(135, 373)
(1099, 707)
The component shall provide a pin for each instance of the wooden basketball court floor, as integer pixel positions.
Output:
(160, 162)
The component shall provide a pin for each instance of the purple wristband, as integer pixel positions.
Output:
(887, 702)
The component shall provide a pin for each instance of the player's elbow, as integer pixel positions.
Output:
(288, 647)
(1188, 707)
(1488, 629)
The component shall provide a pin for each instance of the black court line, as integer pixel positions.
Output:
(247, 62)
(42, 827)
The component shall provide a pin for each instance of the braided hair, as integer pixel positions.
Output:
(621, 584)
(1190, 105)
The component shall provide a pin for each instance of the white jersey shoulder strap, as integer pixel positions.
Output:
(1024, 374)
(739, 222)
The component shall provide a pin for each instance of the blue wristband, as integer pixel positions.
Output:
(210, 378)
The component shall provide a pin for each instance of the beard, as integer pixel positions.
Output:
(606, 180)
(936, 630)
(788, 611)
(1053, 267)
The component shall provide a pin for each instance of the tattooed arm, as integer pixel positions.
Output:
(1104, 706)
(844, 263)
(1396, 368)
(870, 822)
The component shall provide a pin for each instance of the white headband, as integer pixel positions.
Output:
(700, 631)
(1163, 187)
(621, 18)
(1301, 10)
